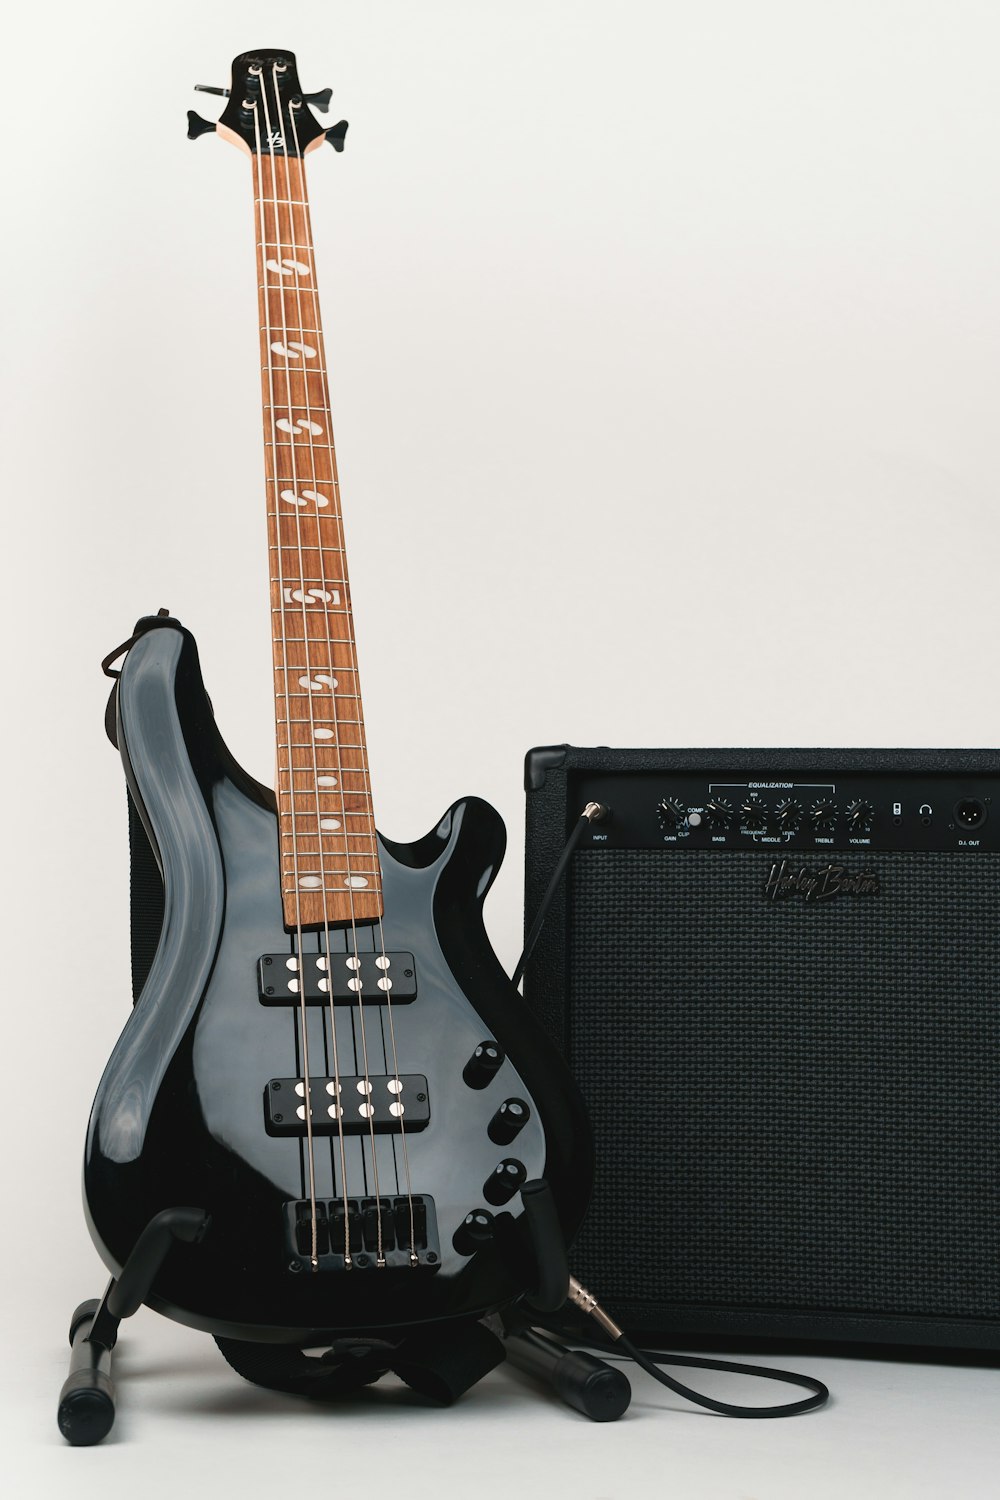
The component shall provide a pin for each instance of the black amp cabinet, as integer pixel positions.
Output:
(776, 977)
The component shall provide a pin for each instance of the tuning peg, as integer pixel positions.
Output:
(197, 125)
(335, 135)
(321, 100)
(210, 88)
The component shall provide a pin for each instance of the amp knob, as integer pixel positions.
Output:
(753, 815)
(719, 812)
(860, 816)
(671, 813)
(823, 814)
(790, 815)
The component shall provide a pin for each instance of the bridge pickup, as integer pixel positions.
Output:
(370, 978)
(361, 1105)
(403, 1220)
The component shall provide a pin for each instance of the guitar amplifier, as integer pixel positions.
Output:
(776, 977)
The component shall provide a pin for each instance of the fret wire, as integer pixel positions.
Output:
(285, 791)
(372, 878)
(334, 833)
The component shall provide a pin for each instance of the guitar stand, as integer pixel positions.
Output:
(87, 1399)
(439, 1363)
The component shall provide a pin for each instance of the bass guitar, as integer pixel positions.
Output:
(326, 1061)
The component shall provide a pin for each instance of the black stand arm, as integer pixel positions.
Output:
(87, 1399)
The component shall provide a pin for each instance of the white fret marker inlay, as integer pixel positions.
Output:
(287, 267)
(355, 880)
(307, 883)
(326, 781)
(320, 681)
(322, 734)
(311, 596)
(313, 495)
(298, 427)
(329, 825)
(292, 350)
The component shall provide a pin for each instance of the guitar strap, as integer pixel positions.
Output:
(440, 1363)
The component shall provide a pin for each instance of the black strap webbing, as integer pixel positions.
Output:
(440, 1362)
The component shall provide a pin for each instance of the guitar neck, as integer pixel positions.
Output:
(329, 853)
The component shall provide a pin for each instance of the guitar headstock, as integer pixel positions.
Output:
(267, 112)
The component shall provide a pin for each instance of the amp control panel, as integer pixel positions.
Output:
(721, 810)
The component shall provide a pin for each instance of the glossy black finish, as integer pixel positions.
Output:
(179, 1116)
(269, 79)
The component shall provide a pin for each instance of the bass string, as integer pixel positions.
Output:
(355, 961)
(303, 195)
(303, 1013)
(339, 1102)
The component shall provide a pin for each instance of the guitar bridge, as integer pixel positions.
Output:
(360, 1239)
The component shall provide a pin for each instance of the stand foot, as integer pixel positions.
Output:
(87, 1400)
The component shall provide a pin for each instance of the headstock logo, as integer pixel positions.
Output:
(824, 884)
(275, 139)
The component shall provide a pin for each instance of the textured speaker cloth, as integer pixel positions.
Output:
(795, 1105)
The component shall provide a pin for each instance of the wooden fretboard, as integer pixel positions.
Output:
(329, 855)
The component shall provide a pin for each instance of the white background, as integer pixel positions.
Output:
(665, 351)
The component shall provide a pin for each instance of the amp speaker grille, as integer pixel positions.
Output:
(795, 1105)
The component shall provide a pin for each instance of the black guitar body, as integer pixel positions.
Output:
(182, 1115)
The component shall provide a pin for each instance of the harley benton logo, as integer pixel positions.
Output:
(819, 885)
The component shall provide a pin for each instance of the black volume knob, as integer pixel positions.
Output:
(483, 1064)
(475, 1231)
(501, 1185)
(859, 816)
(510, 1118)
